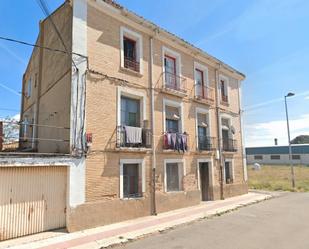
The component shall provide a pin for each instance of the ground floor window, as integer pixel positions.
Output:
(174, 175)
(228, 172)
(132, 178)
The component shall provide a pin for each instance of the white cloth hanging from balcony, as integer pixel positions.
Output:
(133, 135)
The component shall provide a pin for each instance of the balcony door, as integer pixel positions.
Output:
(203, 132)
(170, 71)
(130, 112)
(199, 77)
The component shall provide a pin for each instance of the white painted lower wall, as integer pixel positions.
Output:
(284, 159)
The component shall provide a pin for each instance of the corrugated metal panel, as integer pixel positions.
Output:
(32, 200)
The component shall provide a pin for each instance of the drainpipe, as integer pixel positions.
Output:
(219, 151)
(153, 175)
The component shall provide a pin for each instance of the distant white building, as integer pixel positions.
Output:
(278, 154)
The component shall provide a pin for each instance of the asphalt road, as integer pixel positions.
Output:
(279, 223)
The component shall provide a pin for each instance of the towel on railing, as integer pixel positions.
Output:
(133, 135)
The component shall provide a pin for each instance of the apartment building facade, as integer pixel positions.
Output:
(156, 121)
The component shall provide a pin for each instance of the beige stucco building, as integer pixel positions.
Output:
(156, 121)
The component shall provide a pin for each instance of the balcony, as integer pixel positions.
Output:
(175, 141)
(131, 64)
(123, 140)
(229, 145)
(206, 143)
(174, 84)
(205, 93)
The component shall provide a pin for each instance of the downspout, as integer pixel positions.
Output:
(153, 175)
(219, 151)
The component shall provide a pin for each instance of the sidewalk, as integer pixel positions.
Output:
(122, 232)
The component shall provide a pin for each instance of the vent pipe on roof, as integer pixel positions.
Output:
(276, 141)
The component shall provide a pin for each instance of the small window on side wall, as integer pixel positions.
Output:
(131, 50)
(28, 88)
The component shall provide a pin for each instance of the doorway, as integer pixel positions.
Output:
(204, 180)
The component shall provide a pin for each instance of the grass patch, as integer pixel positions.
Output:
(276, 178)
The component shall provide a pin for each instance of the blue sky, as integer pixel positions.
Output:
(268, 40)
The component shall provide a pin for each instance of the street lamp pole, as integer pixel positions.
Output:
(289, 138)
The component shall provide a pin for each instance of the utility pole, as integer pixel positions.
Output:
(289, 138)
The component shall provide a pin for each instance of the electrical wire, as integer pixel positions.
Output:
(38, 46)
(43, 5)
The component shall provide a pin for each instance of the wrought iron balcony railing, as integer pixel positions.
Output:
(205, 93)
(131, 64)
(229, 145)
(122, 142)
(206, 143)
(174, 82)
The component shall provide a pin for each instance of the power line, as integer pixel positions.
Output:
(10, 89)
(38, 46)
(43, 5)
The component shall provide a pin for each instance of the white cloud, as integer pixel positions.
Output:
(263, 134)
(307, 98)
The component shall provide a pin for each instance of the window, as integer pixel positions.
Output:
(223, 81)
(258, 157)
(131, 50)
(130, 54)
(201, 81)
(172, 119)
(131, 186)
(296, 157)
(172, 70)
(174, 175)
(204, 142)
(274, 157)
(226, 134)
(132, 178)
(228, 172)
(130, 112)
(28, 88)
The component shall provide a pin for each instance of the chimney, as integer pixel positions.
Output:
(276, 141)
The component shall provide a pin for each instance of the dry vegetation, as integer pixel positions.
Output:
(277, 178)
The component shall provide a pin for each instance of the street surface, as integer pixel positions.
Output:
(279, 223)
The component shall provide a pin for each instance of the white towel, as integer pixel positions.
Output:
(133, 135)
